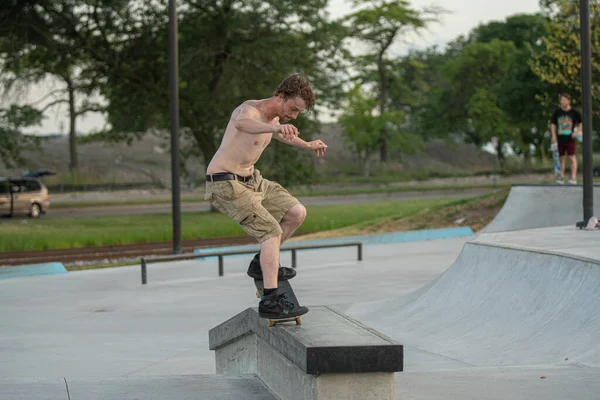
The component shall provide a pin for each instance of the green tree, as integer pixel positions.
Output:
(478, 69)
(12, 140)
(489, 120)
(513, 87)
(559, 60)
(521, 93)
(229, 51)
(416, 77)
(361, 127)
(35, 43)
(362, 123)
(522, 30)
(379, 26)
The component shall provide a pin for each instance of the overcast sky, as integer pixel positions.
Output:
(462, 17)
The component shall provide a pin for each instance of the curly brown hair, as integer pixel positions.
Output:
(565, 95)
(297, 85)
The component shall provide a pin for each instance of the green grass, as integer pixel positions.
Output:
(393, 189)
(43, 234)
(112, 203)
(297, 192)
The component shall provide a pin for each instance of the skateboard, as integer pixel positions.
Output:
(556, 165)
(286, 287)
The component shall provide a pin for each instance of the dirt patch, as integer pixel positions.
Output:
(475, 213)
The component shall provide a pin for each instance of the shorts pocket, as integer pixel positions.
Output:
(257, 223)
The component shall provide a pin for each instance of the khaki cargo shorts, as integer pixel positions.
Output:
(257, 205)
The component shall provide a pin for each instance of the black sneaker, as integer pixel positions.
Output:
(255, 271)
(277, 306)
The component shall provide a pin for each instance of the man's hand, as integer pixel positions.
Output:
(318, 147)
(553, 147)
(288, 132)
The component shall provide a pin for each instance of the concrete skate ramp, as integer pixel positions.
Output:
(541, 206)
(497, 306)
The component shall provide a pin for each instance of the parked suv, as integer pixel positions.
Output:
(23, 196)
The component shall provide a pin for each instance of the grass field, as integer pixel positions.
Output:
(195, 198)
(16, 235)
(476, 212)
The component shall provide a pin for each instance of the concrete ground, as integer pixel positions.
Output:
(105, 323)
(521, 383)
(469, 384)
(112, 338)
(188, 387)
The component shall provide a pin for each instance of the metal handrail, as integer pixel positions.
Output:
(220, 254)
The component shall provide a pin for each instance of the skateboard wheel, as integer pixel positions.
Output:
(299, 321)
(271, 323)
(257, 294)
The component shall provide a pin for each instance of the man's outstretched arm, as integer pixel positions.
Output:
(296, 142)
(249, 121)
(316, 145)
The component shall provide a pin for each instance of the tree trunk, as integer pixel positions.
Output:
(73, 162)
(501, 157)
(383, 147)
(383, 96)
(384, 92)
(475, 138)
(365, 165)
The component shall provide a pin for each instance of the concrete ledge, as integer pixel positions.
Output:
(327, 341)
(329, 356)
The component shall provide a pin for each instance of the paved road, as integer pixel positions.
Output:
(113, 210)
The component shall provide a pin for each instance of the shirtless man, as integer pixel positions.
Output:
(263, 208)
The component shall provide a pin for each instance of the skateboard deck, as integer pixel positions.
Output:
(556, 165)
(286, 287)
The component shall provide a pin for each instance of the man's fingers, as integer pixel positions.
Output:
(319, 148)
(289, 132)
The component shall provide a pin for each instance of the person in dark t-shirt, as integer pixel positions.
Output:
(566, 127)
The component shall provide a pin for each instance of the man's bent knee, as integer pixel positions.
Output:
(296, 214)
